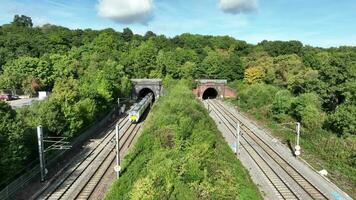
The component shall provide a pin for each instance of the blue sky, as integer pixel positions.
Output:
(322, 23)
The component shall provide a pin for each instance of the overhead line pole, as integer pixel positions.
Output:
(297, 146)
(117, 146)
(41, 152)
(117, 167)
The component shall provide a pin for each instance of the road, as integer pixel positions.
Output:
(21, 102)
(272, 166)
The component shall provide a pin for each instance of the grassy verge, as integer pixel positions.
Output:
(320, 148)
(181, 155)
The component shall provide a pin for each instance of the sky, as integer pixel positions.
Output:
(323, 23)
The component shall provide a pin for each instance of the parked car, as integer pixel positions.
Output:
(6, 97)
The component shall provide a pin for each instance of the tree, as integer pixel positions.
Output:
(277, 48)
(221, 65)
(343, 120)
(16, 73)
(22, 21)
(144, 59)
(254, 75)
(188, 70)
(307, 109)
(285, 67)
(13, 150)
(257, 96)
(281, 105)
(149, 34)
(305, 81)
(127, 34)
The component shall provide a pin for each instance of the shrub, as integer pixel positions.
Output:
(281, 105)
(343, 121)
(257, 96)
(307, 109)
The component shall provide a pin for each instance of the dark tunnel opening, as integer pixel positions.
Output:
(144, 92)
(210, 93)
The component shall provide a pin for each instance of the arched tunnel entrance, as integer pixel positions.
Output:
(210, 93)
(144, 92)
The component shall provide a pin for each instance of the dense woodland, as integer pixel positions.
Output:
(86, 70)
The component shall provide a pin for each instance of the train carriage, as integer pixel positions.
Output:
(137, 110)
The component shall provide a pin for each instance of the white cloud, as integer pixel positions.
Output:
(126, 11)
(238, 6)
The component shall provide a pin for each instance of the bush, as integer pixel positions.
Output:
(343, 121)
(256, 96)
(307, 109)
(281, 105)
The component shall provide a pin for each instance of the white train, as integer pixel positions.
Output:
(136, 111)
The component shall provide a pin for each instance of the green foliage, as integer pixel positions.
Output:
(343, 121)
(276, 48)
(221, 64)
(22, 21)
(281, 105)
(306, 109)
(181, 155)
(23, 71)
(13, 149)
(256, 96)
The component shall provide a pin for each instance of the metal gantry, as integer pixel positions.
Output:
(56, 143)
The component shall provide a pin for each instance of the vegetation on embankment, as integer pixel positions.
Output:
(181, 155)
(278, 109)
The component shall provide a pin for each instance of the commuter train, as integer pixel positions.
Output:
(137, 110)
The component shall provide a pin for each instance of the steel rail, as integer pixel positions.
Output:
(87, 191)
(303, 182)
(284, 190)
(73, 186)
(123, 121)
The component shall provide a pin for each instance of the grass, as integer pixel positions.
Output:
(181, 155)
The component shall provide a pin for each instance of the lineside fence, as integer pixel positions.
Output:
(33, 172)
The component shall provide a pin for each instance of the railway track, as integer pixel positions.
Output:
(80, 180)
(287, 181)
(88, 189)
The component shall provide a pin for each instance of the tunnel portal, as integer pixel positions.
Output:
(210, 93)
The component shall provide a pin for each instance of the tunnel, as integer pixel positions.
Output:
(144, 92)
(210, 93)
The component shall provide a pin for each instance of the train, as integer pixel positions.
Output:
(137, 110)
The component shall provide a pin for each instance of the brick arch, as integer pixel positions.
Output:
(219, 85)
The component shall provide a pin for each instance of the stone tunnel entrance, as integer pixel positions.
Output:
(210, 93)
(141, 87)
